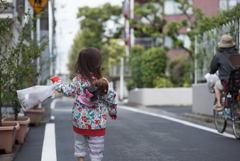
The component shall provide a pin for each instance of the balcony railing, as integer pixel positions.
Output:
(146, 42)
(6, 14)
(115, 70)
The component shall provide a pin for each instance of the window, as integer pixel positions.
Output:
(146, 42)
(171, 8)
(185, 39)
(169, 43)
(224, 4)
(126, 6)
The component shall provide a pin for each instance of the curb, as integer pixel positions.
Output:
(11, 156)
(199, 117)
(193, 116)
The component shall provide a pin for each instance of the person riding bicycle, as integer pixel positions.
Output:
(221, 62)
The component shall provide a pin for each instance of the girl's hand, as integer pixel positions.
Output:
(113, 117)
(55, 79)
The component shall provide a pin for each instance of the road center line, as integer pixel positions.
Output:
(178, 121)
(49, 143)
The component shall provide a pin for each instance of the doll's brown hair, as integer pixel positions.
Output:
(102, 86)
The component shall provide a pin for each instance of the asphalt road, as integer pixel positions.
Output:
(134, 137)
(174, 109)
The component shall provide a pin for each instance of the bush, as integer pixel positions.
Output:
(130, 85)
(162, 82)
(153, 65)
(135, 61)
(179, 71)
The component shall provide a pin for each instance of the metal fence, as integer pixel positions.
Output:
(206, 46)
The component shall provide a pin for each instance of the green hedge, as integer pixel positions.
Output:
(153, 65)
(179, 70)
(136, 53)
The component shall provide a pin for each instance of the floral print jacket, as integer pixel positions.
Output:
(89, 120)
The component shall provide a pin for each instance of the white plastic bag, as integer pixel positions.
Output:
(211, 80)
(32, 96)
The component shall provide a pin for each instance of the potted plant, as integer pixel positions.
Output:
(7, 129)
(21, 67)
(7, 135)
(35, 114)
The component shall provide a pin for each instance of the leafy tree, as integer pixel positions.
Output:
(93, 24)
(191, 22)
(24, 53)
(152, 14)
(5, 46)
(153, 65)
(111, 55)
(136, 53)
(94, 33)
(75, 49)
(116, 52)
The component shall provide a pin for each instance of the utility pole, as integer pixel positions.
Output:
(121, 79)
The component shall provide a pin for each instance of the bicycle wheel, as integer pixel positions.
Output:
(220, 120)
(236, 120)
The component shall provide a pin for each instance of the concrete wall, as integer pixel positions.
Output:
(202, 100)
(117, 89)
(161, 96)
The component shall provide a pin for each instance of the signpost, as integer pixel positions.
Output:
(38, 5)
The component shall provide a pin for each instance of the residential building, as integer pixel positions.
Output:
(170, 8)
(12, 13)
(47, 28)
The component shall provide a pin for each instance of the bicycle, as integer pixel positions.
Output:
(231, 101)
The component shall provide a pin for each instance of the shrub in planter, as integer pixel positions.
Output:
(5, 42)
(179, 70)
(25, 52)
(136, 53)
(153, 64)
(35, 115)
(23, 127)
(7, 135)
(130, 85)
(17, 60)
(162, 82)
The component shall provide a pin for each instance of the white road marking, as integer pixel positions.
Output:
(53, 103)
(52, 117)
(178, 121)
(63, 110)
(49, 143)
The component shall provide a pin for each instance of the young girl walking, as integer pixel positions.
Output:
(95, 98)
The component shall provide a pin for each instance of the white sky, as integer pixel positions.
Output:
(68, 25)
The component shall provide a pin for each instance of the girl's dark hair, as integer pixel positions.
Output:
(89, 62)
(223, 49)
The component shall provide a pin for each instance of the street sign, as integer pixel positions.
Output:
(38, 5)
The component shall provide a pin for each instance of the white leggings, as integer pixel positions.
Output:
(95, 145)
